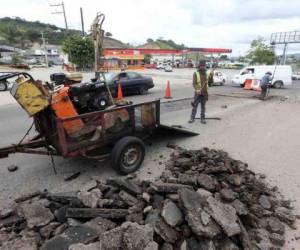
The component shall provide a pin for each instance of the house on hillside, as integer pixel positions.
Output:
(37, 53)
(6, 53)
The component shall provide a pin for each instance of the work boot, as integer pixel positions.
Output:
(203, 121)
(191, 121)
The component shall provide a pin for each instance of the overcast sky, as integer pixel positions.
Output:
(196, 23)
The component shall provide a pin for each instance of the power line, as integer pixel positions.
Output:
(63, 11)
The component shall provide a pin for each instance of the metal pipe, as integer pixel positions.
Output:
(82, 23)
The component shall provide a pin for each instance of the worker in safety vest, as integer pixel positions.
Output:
(201, 93)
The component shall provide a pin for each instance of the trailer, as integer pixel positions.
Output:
(117, 132)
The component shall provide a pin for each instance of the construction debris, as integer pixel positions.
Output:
(203, 200)
(71, 176)
(12, 168)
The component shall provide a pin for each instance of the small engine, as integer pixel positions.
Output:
(86, 97)
(90, 96)
(65, 79)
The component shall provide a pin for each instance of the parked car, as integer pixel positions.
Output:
(282, 74)
(131, 82)
(5, 84)
(150, 66)
(168, 68)
(296, 76)
(20, 66)
(160, 66)
(219, 78)
(37, 65)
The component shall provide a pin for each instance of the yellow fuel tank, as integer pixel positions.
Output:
(29, 95)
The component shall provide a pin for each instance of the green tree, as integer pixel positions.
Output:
(260, 52)
(33, 36)
(16, 58)
(150, 40)
(80, 51)
(147, 58)
(11, 34)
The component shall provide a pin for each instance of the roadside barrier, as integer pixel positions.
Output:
(248, 84)
(256, 85)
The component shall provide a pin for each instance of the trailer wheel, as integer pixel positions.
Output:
(3, 85)
(127, 155)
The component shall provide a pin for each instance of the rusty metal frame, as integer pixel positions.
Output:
(29, 147)
(62, 147)
(84, 147)
(157, 102)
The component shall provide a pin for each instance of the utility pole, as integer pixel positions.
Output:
(82, 23)
(45, 49)
(62, 5)
(283, 59)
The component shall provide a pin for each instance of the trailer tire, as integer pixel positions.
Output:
(127, 155)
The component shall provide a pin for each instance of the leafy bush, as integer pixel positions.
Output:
(80, 51)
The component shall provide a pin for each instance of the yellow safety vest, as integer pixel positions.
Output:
(198, 81)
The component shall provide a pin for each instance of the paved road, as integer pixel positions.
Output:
(264, 134)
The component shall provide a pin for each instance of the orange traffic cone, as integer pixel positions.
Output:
(120, 93)
(168, 91)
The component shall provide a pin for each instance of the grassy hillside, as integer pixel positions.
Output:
(162, 44)
(19, 32)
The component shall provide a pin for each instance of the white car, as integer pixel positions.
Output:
(160, 66)
(168, 68)
(219, 78)
(296, 76)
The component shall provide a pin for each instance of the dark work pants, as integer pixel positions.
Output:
(199, 99)
(263, 93)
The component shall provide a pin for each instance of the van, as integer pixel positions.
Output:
(281, 74)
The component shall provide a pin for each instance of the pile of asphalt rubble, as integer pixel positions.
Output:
(204, 200)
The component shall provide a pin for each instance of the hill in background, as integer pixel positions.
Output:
(23, 34)
(161, 44)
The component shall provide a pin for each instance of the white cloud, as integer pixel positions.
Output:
(231, 11)
(196, 23)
